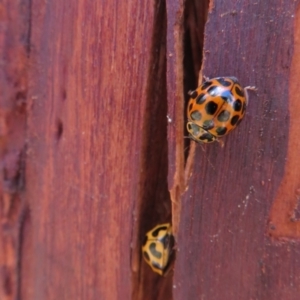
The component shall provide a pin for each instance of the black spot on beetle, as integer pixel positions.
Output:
(145, 240)
(211, 107)
(146, 256)
(214, 90)
(154, 252)
(157, 266)
(201, 98)
(205, 85)
(234, 120)
(193, 129)
(166, 241)
(193, 94)
(227, 96)
(221, 130)
(207, 136)
(208, 124)
(239, 91)
(237, 105)
(196, 115)
(155, 233)
(223, 81)
(223, 116)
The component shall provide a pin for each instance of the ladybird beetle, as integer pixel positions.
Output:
(215, 108)
(157, 247)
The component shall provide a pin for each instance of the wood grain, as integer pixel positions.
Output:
(88, 102)
(284, 215)
(223, 248)
(153, 203)
(14, 48)
(93, 155)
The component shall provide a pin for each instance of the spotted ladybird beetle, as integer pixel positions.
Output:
(157, 247)
(215, 108)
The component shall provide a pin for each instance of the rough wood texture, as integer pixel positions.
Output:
(14, 32)
(92, 113)
(90, 64)
(284, 218)
(153, 203)
(224, 242)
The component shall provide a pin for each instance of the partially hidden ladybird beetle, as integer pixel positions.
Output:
(157, 247)
(215, 108)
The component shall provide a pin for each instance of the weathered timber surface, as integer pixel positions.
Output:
(239, 234)
(154, 205)
(14, 47)
(89, 78)
(87, 81)
(92, 113)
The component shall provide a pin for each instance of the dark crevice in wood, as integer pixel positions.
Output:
(194, 24)
(26, 13)
(154, 204)
(14, 52)
(22, 104)
(25, 221)
(8, 285)
(59, 129)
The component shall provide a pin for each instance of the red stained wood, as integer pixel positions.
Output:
(284, 216)
(88, 98)
(14, 31)
(92, 118)
(223, 239)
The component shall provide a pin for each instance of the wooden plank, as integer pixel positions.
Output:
(88, 82)
(224, 247)
(14, 50)
(98, 168)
